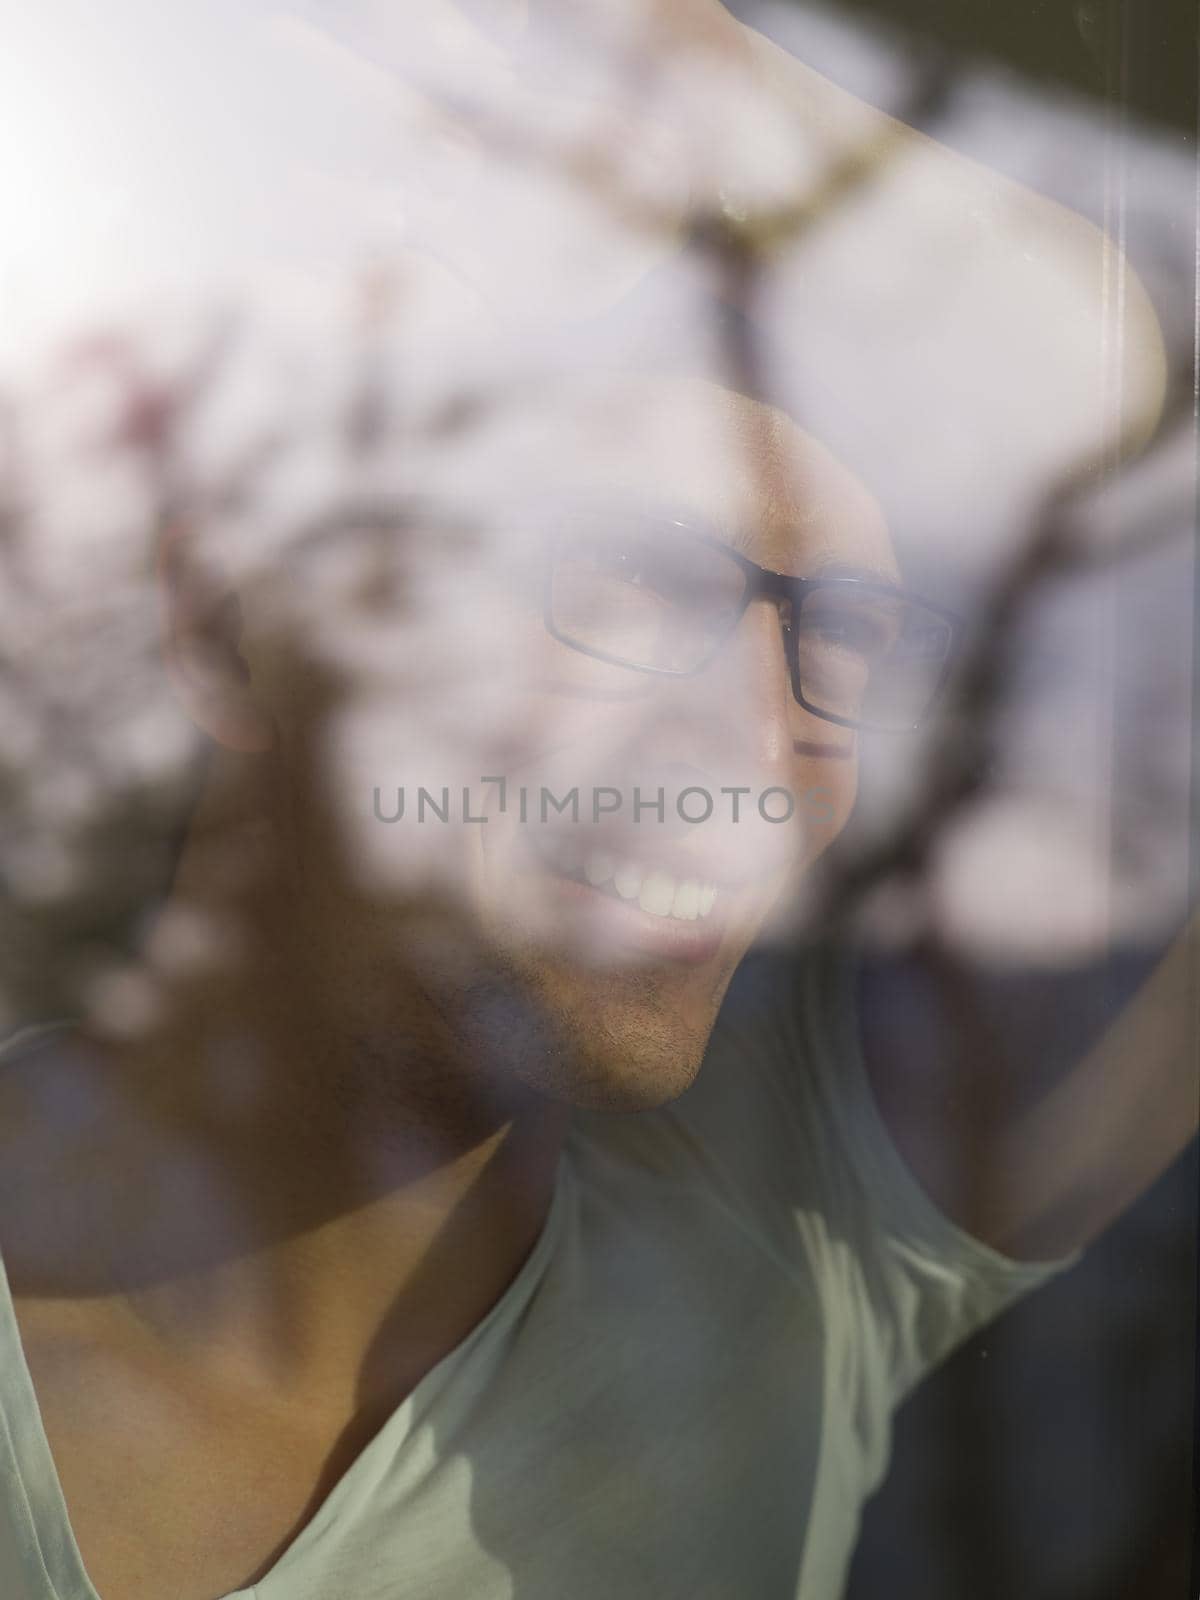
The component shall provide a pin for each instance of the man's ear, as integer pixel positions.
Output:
(201, 638)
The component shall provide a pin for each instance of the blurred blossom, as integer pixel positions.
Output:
(350, 299)
(123, 1003)
(188, 941)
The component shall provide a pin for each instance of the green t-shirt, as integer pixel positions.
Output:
(686, 1391)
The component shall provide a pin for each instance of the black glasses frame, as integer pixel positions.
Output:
(783, 589)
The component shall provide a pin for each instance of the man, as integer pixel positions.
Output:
(370, 1237)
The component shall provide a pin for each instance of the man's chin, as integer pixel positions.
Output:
(604, 1030)
(593, 1081)
(629, 1043)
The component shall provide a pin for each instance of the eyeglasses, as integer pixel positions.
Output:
(656, 596)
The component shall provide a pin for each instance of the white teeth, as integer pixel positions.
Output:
(686, 905)
(598, 869)
(658, 894)
(627, 880)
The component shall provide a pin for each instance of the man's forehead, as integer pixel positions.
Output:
(741, 469)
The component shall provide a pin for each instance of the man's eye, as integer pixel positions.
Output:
(630, 564)
(841, 630)
(622, 564)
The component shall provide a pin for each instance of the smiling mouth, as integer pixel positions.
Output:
(641, 883)
(614, 905)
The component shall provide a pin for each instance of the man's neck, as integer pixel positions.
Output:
(318, 1215)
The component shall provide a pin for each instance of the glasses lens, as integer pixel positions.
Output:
(652, 597)
(871, 657)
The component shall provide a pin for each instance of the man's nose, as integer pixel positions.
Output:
(742, 700)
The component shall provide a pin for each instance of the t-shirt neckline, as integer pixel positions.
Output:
(32, 1472)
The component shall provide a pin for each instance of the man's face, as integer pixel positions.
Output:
(587, 931)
